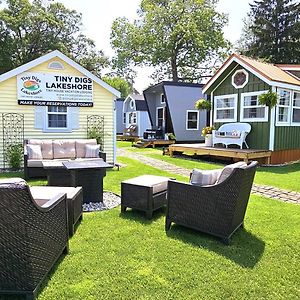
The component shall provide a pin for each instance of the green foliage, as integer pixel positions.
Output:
(181, 39)
(207, 130)
(95, 133)
(203, 104)
(28, 29)
(171, 136)
(15, 155)
(269, 99)
(119, 84)
(272, 31)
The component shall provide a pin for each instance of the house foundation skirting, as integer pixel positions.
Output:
(284, 156)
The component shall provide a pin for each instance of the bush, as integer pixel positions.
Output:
(15, 155)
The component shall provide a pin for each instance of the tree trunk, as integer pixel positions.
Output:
(174, 69)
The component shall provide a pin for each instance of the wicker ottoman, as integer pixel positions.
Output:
(41, 195)
(146, 193)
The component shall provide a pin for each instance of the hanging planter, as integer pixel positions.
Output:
(203, 104)
(269, 99)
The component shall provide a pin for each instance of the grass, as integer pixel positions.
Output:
(285, 177)
(114, 256)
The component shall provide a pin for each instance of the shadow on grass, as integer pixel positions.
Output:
(280, 169)
(140, 216)
(245, 249)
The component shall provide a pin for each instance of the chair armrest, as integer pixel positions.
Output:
(102, 155)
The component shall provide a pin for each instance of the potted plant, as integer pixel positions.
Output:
(207, 133)
(269, 99)
(171, 136)
(203, 104)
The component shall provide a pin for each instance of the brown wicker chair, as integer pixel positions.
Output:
(31, 238)
(218, 209)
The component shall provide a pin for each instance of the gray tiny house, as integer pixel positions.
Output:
(234, 91)
(135, 113)
(120, 119)
(171, 107)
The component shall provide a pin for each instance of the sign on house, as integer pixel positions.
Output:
(54, 89)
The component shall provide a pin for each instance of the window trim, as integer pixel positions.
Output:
(132, 104)
(256, 93)
(124, 117)
(234, 119)
(187, 120)
(244, 84)
(157, 108)
(131, 114)
(162, 96)
(292, 109)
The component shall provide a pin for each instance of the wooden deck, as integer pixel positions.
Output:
(131, 138)
(235, 153)
(153, 143)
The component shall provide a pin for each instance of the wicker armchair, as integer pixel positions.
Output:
(218, 209)
(32, 238)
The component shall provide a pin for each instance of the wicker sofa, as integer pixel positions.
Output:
(217, 209)
(62, 150)
(32, 238)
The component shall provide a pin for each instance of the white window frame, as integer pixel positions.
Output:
(162, 98)
(256, 93)
(216, 98)
(132, 116)
(124, 117)
(289, 117)
(131, 104)
(244, 84)
(57, 129)
(187, 119)
(292, 108)
(157, 109)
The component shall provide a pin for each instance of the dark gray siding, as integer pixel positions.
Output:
(119, 116)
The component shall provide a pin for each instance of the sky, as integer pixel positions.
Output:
(98, 15)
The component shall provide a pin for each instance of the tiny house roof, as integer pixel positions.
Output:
(272, 74)
(66, 59)
(174, 83)
(140, 103)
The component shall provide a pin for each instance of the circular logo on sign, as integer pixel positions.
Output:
(31, 85)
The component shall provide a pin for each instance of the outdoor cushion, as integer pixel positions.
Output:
(34, 151)
(64, 149)
(204, 177)
(80, 146)
(92, 151)
(35, 163)
(231, 134)
(46, 147)
(227, 170)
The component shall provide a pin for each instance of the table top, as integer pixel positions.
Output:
(90, 164)
(55, 164)
(147, 180)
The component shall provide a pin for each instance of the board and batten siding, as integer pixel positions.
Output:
(260, 131)
(103, 105)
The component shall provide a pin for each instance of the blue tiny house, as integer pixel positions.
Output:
(120, 119)
(171, 107)
(135, 113)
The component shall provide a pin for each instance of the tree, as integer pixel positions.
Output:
(272, 31)
(183, 39)
(29, 30)
(119, 84)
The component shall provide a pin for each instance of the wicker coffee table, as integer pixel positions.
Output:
(57, 174)
(146, 193)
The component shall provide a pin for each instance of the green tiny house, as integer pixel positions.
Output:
(234, 92)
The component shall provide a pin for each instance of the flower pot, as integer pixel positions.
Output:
(208, 140)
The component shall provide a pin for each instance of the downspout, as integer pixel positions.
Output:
(115, 133)
(272, 124)
(212, 108)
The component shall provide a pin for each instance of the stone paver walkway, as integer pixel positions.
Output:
(266, 191)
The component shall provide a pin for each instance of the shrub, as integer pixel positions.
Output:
(15, 153)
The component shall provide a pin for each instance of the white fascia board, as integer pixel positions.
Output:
(63, 57)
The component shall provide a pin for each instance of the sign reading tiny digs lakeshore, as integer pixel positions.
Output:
(53, 89)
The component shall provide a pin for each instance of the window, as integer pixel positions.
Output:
(131, 104)
(162, 99)
(251, 110)
(192, 118)
(283, 107)
(57, 116)
(239, 79)
(132, 118)
(124, 118)
(225, 108)
(160, 117)
(296, 108)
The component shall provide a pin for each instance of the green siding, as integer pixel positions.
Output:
(287, 137)
(260, 132)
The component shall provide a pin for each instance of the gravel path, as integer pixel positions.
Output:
(266, 191)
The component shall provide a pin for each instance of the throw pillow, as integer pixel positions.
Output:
(207, 177)
(227, 170)
(92, 151)
(34, 151)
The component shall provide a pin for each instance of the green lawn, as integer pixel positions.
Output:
(115, 256)
(285, 177)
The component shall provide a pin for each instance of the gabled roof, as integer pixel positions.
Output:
(173, 83)
(137, 96)
(270, 73)
(66, 59)
(140, 103)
